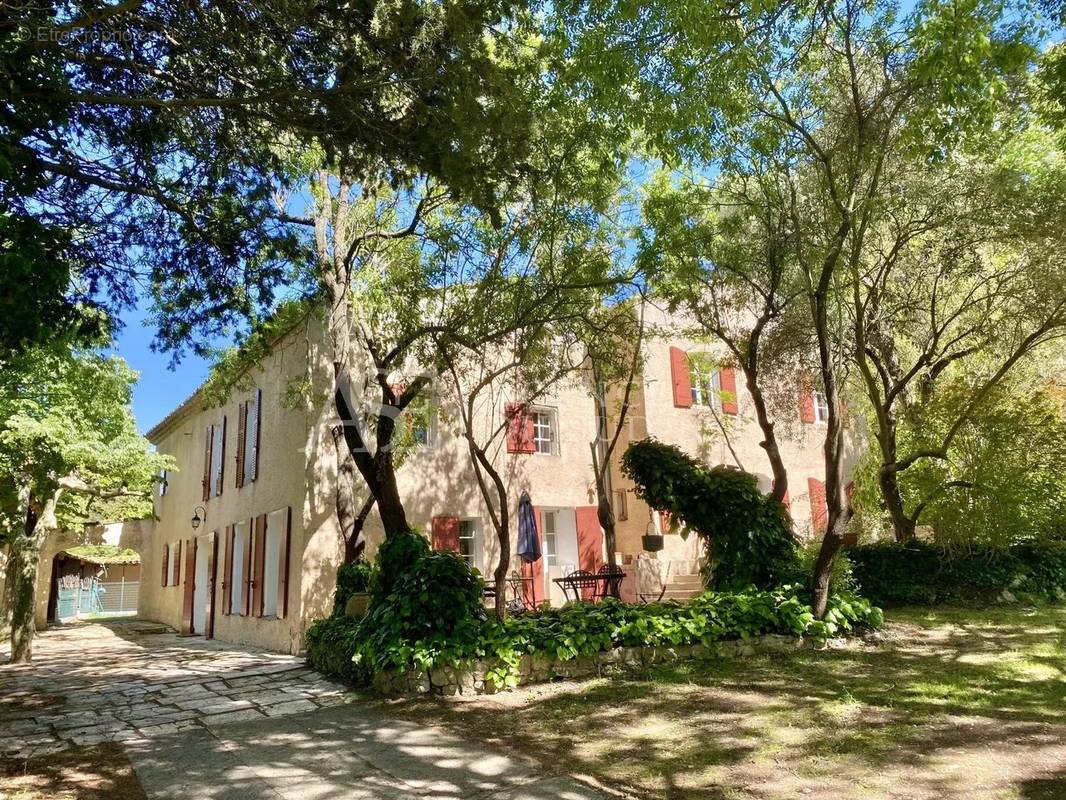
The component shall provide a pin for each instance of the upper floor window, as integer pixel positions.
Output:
(422, 421)
(249, 416)
(706, 386)
(821, 407)
(162, 482)
(214, 459)
(543, 431)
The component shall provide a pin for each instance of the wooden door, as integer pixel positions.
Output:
(190, 587)
(212, 566)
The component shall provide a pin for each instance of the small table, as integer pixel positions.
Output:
(573, 583)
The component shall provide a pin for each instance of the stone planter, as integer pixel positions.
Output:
(357, 604)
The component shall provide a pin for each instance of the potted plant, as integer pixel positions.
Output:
(353, 585)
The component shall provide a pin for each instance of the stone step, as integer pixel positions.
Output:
(680, 594)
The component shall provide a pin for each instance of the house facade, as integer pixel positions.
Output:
(247, 542)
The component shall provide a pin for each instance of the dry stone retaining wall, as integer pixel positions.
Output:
(472, 678)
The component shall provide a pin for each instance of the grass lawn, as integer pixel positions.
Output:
(954, 703)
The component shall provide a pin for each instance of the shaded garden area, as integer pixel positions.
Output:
(949, 703)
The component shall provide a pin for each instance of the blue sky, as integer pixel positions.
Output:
(159, 389)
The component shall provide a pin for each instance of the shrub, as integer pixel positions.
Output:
(583, 629)
(397, 555)
(437, 600)
(748, 535)
(923, 573)
(355, 576)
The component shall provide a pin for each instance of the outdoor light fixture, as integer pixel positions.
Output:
(196, 518)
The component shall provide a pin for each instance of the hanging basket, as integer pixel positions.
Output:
(652, 542)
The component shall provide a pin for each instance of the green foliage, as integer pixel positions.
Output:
(397, 556)
(922, 573)
(584, 629)
(66, 415)
(355, 576)
(748, 534)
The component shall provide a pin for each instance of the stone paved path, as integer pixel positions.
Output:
(201, 720)
(123, 680)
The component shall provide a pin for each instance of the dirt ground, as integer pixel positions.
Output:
(952, 704)
(99, 772)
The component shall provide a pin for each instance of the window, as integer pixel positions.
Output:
(162, 482)
(550, 521)
(214, 459)
(249, 414)
(543, 432)
(468, 542)
(821, 407)
(422, 420)
(621, 508)
(706, 386)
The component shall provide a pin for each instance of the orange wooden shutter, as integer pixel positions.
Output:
(680, 379)
(519, 428)
(166, 563)
(212, 567)
(259, 565)
(819, 510)
(533, 591)
(589, 540)
(242, 431)
(806, 401)
(730, 404)
(283, 567)
(227, 572)
(207, 461)
(176, 561)
(446, 533)
(190, 587)
(246, 589)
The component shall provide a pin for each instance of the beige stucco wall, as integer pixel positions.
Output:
(298, 470)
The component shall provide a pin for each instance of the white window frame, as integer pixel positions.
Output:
(550, 522)
(218, 444)
(469, 532)
(706, 386)
(551, 424)
(821, 407)
(163, 483)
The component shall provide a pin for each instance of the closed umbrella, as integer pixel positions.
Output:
(528, 540)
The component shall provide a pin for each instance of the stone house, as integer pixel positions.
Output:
(247, 542)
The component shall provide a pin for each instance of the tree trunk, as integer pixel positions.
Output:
(22, 575)
(902, 525)
(606, 519)
(769, 442)
(823, 567)
(500, 575)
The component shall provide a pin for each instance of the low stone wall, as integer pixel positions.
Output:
(472, 678)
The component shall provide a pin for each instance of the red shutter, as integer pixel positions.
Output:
(207, 461)
(258, 565)
(446, 533)
(227, 572)
(242, 433)
(589, 541)
(680, 378)
(730, 401)
(806, 401)
(176, 561)
(190, 587)
(283, 568)
(166, 563)
(246, 589)
(258, 427)
(819, 509)
(533, 592)
(519, 428)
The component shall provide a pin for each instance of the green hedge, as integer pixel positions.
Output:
(921, 573)
(354, 651)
